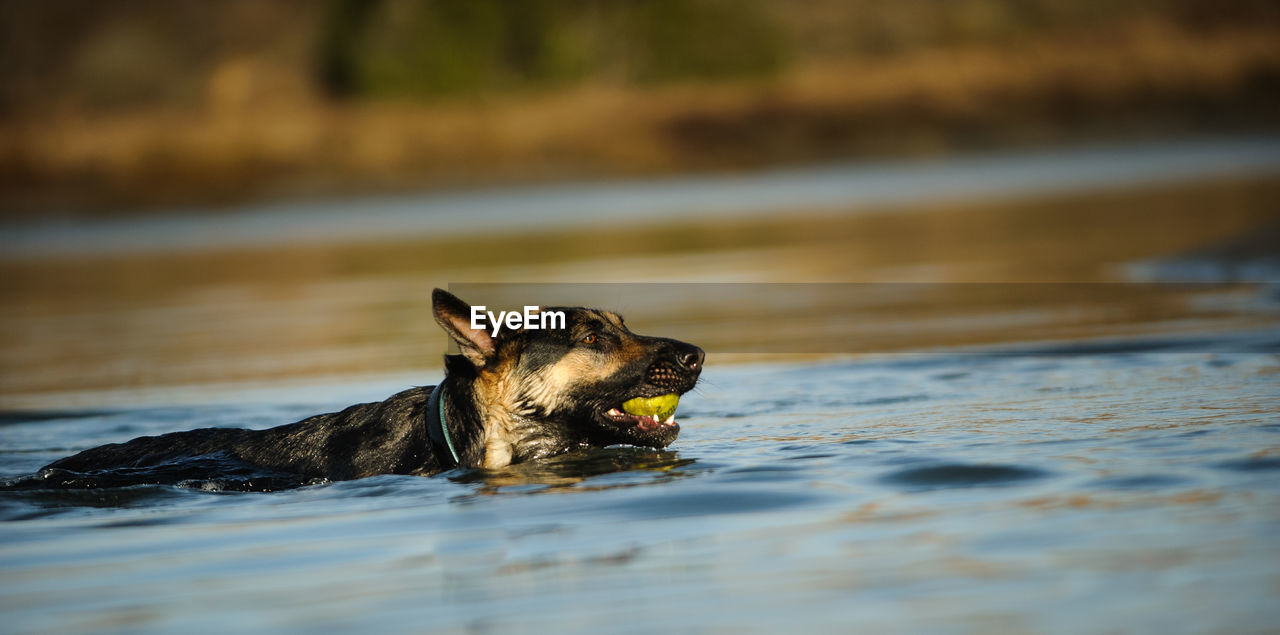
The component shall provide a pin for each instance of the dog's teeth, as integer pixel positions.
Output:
(614, 412)
(671, 419)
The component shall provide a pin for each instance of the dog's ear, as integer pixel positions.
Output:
(454, 316)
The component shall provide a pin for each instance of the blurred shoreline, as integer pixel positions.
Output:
(622, 206)
(1136, 81)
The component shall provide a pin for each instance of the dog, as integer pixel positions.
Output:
(507, 397)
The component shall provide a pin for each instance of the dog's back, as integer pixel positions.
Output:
(361, 440)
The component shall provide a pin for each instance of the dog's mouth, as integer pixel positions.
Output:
(647, 423)
(651, 419)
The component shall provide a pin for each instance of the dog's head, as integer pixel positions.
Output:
(574, 376)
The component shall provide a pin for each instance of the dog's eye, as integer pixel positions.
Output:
(590, 339)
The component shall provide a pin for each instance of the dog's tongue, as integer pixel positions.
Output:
(663, 406)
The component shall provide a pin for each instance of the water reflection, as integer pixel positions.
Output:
(580, 470)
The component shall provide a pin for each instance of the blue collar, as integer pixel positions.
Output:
(438, 429)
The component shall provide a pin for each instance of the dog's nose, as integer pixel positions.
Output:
(691, 357)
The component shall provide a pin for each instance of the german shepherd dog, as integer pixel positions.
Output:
(520, 395)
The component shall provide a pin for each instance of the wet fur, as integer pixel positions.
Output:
(525, 395)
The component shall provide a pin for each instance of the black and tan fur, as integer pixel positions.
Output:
(520, 396)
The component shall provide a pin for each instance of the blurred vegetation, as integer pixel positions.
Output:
(141, 102)
(433, 48)
(89, 54)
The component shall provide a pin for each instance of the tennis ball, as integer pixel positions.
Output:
(663, 406)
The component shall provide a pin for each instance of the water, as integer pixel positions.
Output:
(1129, 489)
(1070, 457)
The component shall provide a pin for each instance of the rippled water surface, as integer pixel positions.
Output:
(1130, 487)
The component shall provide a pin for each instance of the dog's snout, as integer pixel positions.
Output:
(676, 366)
(691, 357)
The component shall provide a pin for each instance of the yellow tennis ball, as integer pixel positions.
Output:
(663, 406)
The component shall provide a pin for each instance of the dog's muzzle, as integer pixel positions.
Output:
(678, 372)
